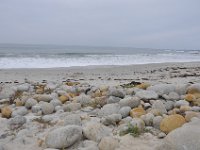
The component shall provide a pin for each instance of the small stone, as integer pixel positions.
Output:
(112, 119)
(83, 99)
(143, 86)
(137, 112)
(63, 98)
(6, 112)
(63, 137)
(47, 108)
(109, 109)
(21, 111)
(148, 119)
(130, 101)
(171, 122)
(146, 94)
(156, 122)
(95, 131)
(72, 119)
(161, 135)
(173, 96)
(181, 103)
(108, 143)
(72, 107)
(113, 99)
(17, 122)
(159, 106)
(194, 88)
(124, 111)
(169, 105)
(190, 97)
(139, 123)
(43, 97)
(56, 102)
(18, 102)
(36, 109)
(161, 89)
(190, 114)
(185, 108)
(117, 93)
(30, 103)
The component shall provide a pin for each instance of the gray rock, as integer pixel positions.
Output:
(173, 96)
(16, 122)
(124, 111)
(30, 103)
(21, 111)
(161, 89)
(117, 93)
(137, 122)
(36, 108)
(186, 137)
(147, 94)
(43, 97)
(95, 131)
(56, 102)
(161, 135)
(148, 119)
(23, 87)
(181, 103)
(169, 105)
(112, 119)
(7, 92)
(195, 108)
(47, 108)
(195, 87)
(113, 99)
(109, 109)
(72, 107)
(159, 106)
(130, 101)
(156, 121)
(83, 99)
(63, 137)
(181, 89)
(72, 119)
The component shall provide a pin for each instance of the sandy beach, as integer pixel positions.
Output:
(135, 107)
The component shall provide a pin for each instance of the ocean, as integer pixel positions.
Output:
(51, 56)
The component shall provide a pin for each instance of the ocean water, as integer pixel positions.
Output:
(50, 56)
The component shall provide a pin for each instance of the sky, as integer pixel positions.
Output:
(173, 24)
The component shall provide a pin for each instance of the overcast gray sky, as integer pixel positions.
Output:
(134, 23)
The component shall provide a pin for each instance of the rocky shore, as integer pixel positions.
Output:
(145, 108)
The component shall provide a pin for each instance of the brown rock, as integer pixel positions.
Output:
(137, 112)
(190, 97)
(6, 112)
(143, 86)
(18, 102)
(171, 122)
(184, 108)
(63, 98)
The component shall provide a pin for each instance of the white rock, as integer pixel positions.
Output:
(108, 143)
(159, 106)
(117, 92)
(43, 97)
(72, 107)
(17, 122)
(109, 109)
(181, 103)
(30, 103)
(113, 99)
(21, 111)
(47, 108)
(83, 99)
(124, 111)
(72, 119)
(148, 119)
(95, 131)
(112, 119)
(156, 121)
(161, 89)
(63, 137)
(147, 94)
(130, 101)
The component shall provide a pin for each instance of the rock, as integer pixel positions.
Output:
(171, 122)
(137, 112)
(23, 87)
(63, 98)
(113, 99)
(47, 108)
(7, 92)
(20, 112)
(194, 88)
(72, 119)
(108, 143)
(158, 105)
(112, 119)
(161, 135)
(181, 103)
(16, 122)
(130, 101)
(190, 114)
(190, 97)
(173, 96)
(56, 102)
(6, 112)
(156, 122)
(43, 97)
(72, 107)
(124, 111)
(63, 137)
(185, 108)
(117, 93)
(195, 108)
(83, 99)
(139, 123)
(89, 145)
(161, 89)
(18, 102)
(183, 138)
(143, 86)
(148, 119)
(181, 89)
(169, 105)
(30, 103)
(146, 94)
(95, 131)
(36, 108)
(109, 109)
